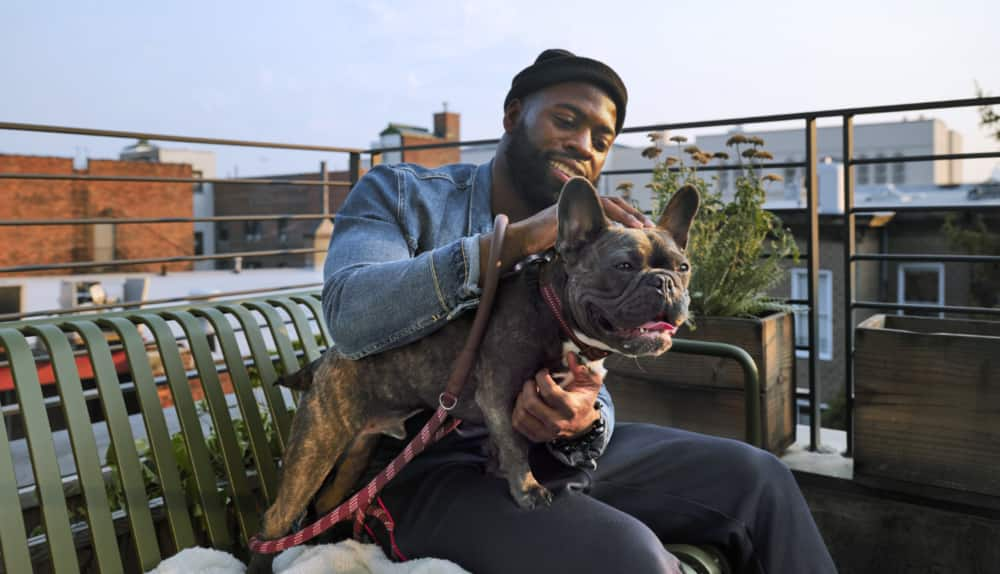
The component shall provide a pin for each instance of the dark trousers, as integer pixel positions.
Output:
(651, 484)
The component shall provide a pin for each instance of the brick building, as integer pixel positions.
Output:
(62, 199)
(446, 129)
(253, 199)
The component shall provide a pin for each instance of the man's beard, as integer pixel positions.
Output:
(530, 171)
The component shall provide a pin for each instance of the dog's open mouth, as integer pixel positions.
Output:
(655, 328)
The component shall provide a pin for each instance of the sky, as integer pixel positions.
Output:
(336, 72)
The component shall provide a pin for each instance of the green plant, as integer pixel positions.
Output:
(737, 247)
(974, 237)
(151, 478)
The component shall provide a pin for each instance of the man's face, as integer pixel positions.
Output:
(563, 131)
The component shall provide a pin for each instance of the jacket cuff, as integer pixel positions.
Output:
(455, 273)
(583, 451)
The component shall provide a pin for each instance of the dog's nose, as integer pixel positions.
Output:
(664, 284)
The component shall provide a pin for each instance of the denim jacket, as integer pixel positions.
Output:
(404, 260)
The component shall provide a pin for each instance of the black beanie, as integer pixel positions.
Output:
(558, 66)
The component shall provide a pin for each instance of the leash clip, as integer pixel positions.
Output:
(447, 396)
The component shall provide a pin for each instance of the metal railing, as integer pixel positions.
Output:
(808, 121)
(811, 210)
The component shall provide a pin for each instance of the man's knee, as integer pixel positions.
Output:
(633, 547)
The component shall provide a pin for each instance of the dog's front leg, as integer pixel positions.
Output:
(495, 399)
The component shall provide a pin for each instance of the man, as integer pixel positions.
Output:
(407, 255)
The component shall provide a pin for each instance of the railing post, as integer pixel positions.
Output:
(355, 167)
(812, 206)
(849, 270)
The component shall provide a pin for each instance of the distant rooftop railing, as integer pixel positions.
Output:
(808, 124)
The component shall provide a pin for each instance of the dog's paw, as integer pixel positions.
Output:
(531, 494)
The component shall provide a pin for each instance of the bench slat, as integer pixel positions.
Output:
(314, 304)
(279, 333)
(232, 454)
(158, 435)
(120, 431)
(13, 539)
(85, 454)
(209, 496)
(262, 359)
(305, 333)
(245, 398)
(43, 451)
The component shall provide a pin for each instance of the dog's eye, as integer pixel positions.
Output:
(684, 268)
(624, 266)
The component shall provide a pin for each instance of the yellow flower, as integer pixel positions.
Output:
(736, 140)
(624, 186)
(656, 137)
(761, 154)
(773, 177)
(749, 153)
(755, 140)
(721, 155)
(670, 161)
(678, 139)
(651, 152)
(692, 149)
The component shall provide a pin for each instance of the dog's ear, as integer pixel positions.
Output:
(581, 216)
(677, 217)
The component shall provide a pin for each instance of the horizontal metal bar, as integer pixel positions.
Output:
(150, 220)
(931, 157)
(175, 259)
(797, 302)
(926, 208)
(725, 167)
(167, 137)
(148, 179)
(932, 105)
(131, 304)
(934, 308)
(926, 257)
(379, 150)
(803, 348)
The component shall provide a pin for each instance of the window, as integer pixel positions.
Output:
(864, 172)
(880, 171)
(790, 174)
(251, 230)
(283, 231)
(898, 171)
(824, 327)
(199, 243)
(10, 299)
(222, 229)
(196, 174)
(724, 176)
(920, 284)
(104, 241)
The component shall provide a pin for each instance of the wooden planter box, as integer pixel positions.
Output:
(705, 394)
(927, 403)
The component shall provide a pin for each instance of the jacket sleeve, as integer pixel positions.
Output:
(378, 292)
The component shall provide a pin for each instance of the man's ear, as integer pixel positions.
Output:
(581, 216)
(512, 114)
(677, 217)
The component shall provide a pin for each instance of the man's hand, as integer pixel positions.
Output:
(545, 411)
(538, 232)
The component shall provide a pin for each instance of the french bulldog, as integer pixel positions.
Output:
(621, 290)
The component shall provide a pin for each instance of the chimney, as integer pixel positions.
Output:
(446, 124)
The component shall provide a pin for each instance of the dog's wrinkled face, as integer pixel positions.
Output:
(626, 288)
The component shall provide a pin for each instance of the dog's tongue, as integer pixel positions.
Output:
(658, 326)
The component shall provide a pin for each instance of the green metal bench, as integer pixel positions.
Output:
(205, 484)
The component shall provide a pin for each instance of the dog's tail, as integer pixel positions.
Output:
(301, 379)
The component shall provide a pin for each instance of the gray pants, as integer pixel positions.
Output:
(651, 484)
